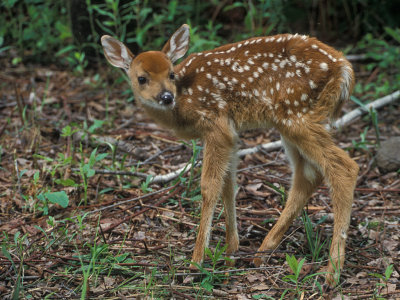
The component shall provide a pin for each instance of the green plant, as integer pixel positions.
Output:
(313, 238)
(384, 279)
(19, 251)
(145, 184)
(384, 56)
(213, 277)
(300, 284)
(363, 143)
(86, 170)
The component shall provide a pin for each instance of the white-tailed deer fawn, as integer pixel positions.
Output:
(291, 82)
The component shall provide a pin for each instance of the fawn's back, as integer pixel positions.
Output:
(282, 81)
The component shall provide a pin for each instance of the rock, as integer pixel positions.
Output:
(388, 156)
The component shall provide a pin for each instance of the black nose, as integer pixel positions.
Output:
(166, 97)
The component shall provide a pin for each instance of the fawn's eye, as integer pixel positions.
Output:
(142, 80)
(172, 75)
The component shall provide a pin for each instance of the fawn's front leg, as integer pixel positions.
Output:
(218, 147)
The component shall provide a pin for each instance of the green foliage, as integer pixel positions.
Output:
(300, 283)
(313, 238)
(211, 272)
(384, 279)
(37, 29)
(384, 53)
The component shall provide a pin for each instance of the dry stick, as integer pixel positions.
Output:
(161, 201)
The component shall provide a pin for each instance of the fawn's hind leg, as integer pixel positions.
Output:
(305, 179)
(229, 199)
(340, 173)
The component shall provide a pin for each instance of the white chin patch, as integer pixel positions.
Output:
(156, 105)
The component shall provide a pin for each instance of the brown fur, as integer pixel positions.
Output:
(293, 83)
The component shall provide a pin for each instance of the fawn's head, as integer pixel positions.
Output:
(151, 73)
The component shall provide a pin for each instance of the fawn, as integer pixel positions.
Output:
(294, 83)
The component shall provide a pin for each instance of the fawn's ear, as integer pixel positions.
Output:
(178, 44)
(116, 52)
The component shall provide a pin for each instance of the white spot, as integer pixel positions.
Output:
(296, 103)
(246, 42)
(250, 79)
(265, 65)
(219, 73)
(260, 70)
(274, 67)
(250, 61)
(221, 105)
(312, 84)
(287, 101)
(208, 75)
(293, 58)
(234, 80)
(271, 55)
(256, 93)
(283, 63)
(298, 72)
(190, 91)
(246, 67)
(207, 54)
(271, 91)
(305, 109)
(289, 111)
(255, 74)
(324, 66)
(278, 86)
(199, 88)
(228, 61)
(243, 85)
(314, 46)
(304, 97)
(216, 60)
(209, 63)
(225, 79)
(221, 86)
(188, 100)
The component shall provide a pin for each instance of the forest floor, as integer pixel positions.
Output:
(67, 231)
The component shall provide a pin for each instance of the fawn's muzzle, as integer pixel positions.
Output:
(166, 97)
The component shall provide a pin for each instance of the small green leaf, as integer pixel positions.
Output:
(66, 182)
(60, 198)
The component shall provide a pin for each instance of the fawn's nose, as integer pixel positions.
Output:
(166, 97)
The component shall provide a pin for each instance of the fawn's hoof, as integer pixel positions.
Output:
(332, 278)
(258, 261)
